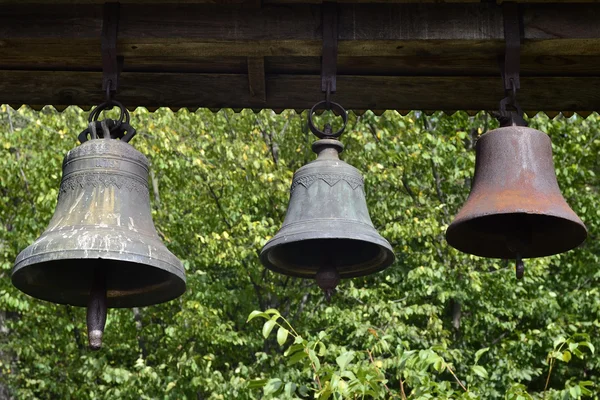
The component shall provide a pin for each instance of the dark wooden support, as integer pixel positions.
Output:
(252, 3)
(31, 37)
(256, 79)
(110, 65)
(329, 27)
(512, 52)
(390, 55)
(298, 91)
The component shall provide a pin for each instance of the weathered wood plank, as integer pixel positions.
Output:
(299, 91)
(238, 2)
(256, 79)
(191, 30)
(206, 44)
(467, 64)
(476, 64)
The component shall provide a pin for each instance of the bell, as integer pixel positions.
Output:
(515, 209)
(101, 248)
(327, 233)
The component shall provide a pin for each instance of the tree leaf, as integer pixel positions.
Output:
(272, 386)
(344, 359)
(293, 349)
(588, 345)
(479, 353)
(268, 327)
(290, 389)
(296, 357)
(282, 335)
(257, 383)
(314, 359)
(480, 371)
(255, 314)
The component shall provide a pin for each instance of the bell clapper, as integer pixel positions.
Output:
(327, 279)
(96, 310)
(518, 242)
(519, 266)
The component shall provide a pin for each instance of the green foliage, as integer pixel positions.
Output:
(437, 324)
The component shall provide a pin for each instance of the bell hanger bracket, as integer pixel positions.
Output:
(111, 63)
(329, 15)
(111, 69)
(511, 113)
(513, 28)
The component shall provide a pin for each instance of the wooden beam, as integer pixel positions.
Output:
(256, 79)
(49, 32)
(241, 2)
(226, 48)
(479, 64)
(299, 91)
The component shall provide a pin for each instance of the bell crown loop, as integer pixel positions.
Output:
(327, 132)
(108, 128)
(124, 116)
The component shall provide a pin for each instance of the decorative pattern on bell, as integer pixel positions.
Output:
(515, 209)
(327, 232)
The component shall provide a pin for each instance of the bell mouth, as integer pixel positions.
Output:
(351, 257)
(503, 235)
(69, 281)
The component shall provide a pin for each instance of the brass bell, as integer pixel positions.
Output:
(101, 248)
(515, 209)
(327, 233)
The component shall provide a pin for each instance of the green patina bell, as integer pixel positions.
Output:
(327, 233)
(101, 248)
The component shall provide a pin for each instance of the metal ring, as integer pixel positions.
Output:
(123, 117)
(336, 108)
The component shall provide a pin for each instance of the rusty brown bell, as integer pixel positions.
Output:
(101, 248)
(515, 209)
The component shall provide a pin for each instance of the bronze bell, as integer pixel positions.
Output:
(101, 248)
(327, 233)
(515, 209)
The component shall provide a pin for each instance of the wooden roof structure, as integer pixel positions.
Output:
(400, 55)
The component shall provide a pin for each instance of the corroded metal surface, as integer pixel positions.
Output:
(102, 221)
(515, 205)
(327, 223)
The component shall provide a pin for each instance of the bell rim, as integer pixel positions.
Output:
(456, 228)
(93, 254)
(378, 240)
(51, 234)
(175, 270)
